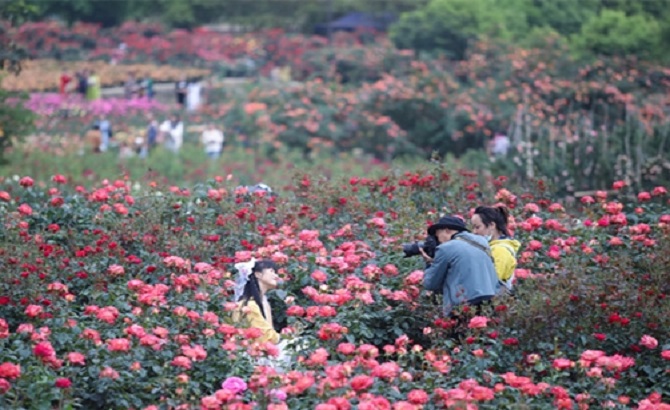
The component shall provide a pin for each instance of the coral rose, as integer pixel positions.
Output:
(10, 371)
(478, 322)
(417, 396)
(362, 382)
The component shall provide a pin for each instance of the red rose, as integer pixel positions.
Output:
(63, 383)
(26, 182)
(44, 349)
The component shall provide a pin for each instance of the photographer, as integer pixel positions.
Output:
(462, 269)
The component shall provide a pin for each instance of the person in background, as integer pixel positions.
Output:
(193, 96)
(499, 145)
(94, 88)
(491, 223)
(462, 269)
(205, 92)
(139, 86)
(181, 87)
(212, 139)
(151, 137)
(130, 87)
(148, 86)
(65, 80)
(92, 138)
(125, 150)
(105, 128)
(82, 83)
(173, 130)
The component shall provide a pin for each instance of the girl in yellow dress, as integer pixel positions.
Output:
(255, 279)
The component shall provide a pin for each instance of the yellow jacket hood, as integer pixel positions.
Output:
(512, 243)
(504, 253)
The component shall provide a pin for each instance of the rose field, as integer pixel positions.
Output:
(117, 295)
(117, 271)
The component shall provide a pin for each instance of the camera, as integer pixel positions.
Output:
(428, 245)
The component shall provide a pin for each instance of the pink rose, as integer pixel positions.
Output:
(234, 384)
(25, 209)
(649, 342)
(478, 322)
(561, 364)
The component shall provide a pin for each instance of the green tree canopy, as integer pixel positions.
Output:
(565, 17)
(613, 33)
(449, 25)
(604, 27)
(294, 14)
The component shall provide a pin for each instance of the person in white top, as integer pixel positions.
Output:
(173, 131)
(193, 96)
(499, 145)
(212, 139)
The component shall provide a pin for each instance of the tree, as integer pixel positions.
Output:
(613, 33)
(651, 8)
(15, 120)
(293, 14)
(106, 12)
(450, 25)
(566, 17)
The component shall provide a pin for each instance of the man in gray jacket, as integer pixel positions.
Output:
(462, 269)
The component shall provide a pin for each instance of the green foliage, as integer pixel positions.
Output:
(14, 12)
(600, 27)
(15, 121)
(539, 37)
(17, 11)
(105, 12)
(634, 7)
(614, 33)
(566, 17)
(450, 25)
(293, 14)
(189, 166)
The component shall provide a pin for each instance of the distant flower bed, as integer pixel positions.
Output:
(44, 75)
(149, 42)
(51, 104)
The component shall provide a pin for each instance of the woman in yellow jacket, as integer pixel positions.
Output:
(491, 222)
(255, 279)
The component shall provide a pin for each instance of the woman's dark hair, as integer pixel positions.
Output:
(499, 215)
(252, 289)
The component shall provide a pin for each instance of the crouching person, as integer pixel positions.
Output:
(462, 269)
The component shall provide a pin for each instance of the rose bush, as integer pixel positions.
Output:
(113, 297)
